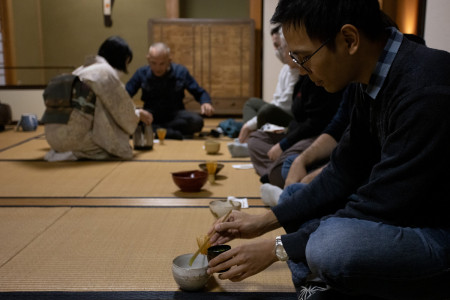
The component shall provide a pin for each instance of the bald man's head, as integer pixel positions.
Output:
(159, 59)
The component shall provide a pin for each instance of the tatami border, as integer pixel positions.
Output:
(113, 202)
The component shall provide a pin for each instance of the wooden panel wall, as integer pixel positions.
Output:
(218, 53)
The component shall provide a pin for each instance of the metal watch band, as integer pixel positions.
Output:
(279, 250)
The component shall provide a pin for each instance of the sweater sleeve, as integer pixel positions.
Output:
(134, 84)
(200, 94)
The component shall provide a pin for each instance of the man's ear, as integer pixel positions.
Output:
(351, 38)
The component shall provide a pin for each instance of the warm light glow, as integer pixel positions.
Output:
(407, 14)
(404, 12)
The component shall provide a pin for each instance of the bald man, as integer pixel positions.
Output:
(163, 84)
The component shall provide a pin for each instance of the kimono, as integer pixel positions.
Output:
(105, 134)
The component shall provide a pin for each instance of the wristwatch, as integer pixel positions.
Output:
(279, 250)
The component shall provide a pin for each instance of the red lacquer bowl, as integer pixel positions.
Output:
(190, 181)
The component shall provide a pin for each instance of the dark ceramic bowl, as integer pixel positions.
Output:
(190, 181)
(214, 251)
(203, 167)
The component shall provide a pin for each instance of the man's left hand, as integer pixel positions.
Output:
(245, 260)
(207, 109)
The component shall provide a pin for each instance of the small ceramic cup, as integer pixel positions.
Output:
(214, 251)
(212, 147)
(161, 133)
(28, 122)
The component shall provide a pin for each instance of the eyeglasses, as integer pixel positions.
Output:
(307, 58)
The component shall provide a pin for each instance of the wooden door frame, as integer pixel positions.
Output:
(7, 28)
(256, 13)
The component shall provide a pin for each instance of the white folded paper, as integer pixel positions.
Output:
(272, 128)
(243, 167)
(243, 201)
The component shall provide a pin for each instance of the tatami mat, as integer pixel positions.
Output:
(187, 150)
(120, 249)
(118, 179)
(19, 227)
(115, 226)
(154, 179)
(10, 137)
(33, 146)
(30, 149)
(36, 147)
(43, 179)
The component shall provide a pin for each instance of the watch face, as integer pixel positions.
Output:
(281, 253)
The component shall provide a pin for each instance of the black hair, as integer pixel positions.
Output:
(323, 19)
(116, 52)
(388, 21)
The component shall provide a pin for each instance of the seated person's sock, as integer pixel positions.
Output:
(52, 155)
(238, 149)
(270, 194)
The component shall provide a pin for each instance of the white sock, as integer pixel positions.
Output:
(52, 155)
(238, 149)
(270, 194)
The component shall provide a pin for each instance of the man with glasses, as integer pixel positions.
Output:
(302, 62)
(374, 224)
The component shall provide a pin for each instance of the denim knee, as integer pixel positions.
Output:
(287, 165)
(290, 190)
(330, 251)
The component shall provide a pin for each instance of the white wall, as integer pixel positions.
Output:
(24, 101)
(271, 65)
(437, 24)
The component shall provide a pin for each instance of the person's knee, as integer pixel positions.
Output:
(197, 124)
(330, 251)
(192, 123)
(265, 113)
(253, 140)
(290, 190)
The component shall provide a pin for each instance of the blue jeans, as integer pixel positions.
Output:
(368, 258)
(287, 165)
(300, 270)
(360, 257)
(290, 190)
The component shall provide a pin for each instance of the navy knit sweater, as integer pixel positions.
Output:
(163, 96)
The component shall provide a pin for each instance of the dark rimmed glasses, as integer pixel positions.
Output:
(306, 59)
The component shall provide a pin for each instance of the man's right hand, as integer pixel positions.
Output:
(242, 225)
